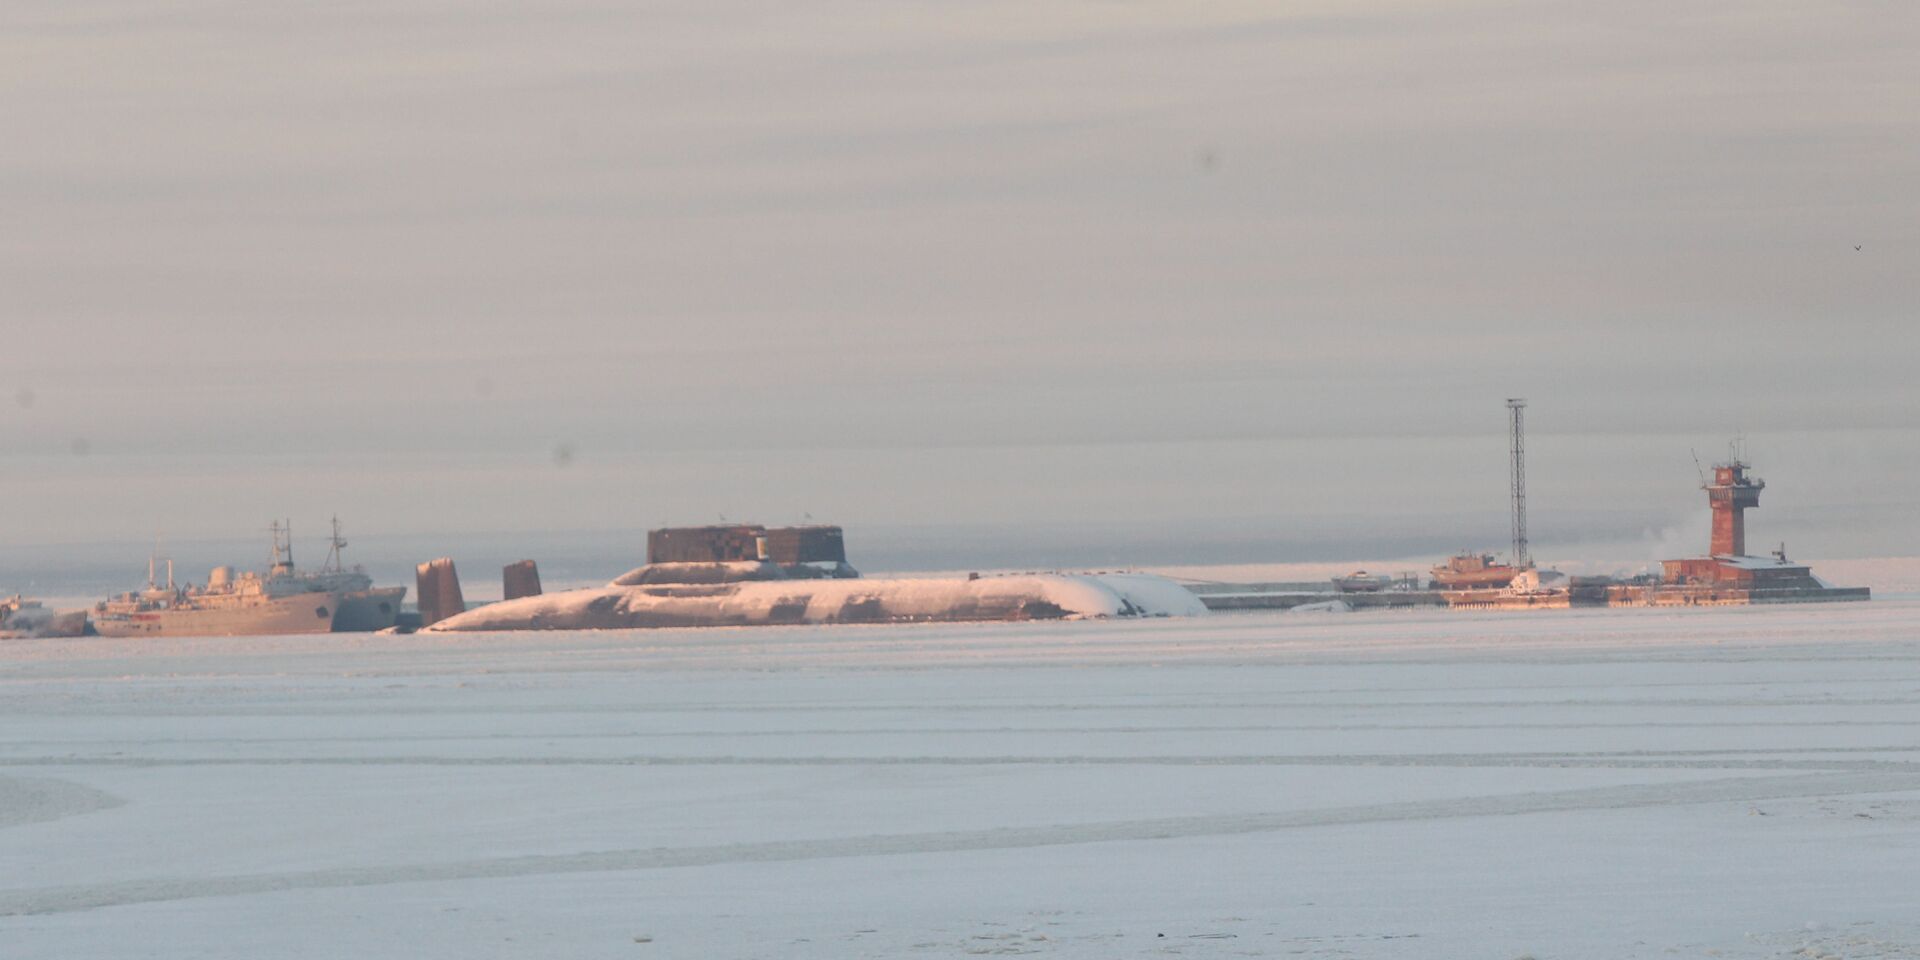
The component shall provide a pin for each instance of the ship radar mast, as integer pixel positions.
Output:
(154, 560)
(281, 563)
(334, 545)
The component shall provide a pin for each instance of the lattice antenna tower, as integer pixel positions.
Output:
(1517, 435)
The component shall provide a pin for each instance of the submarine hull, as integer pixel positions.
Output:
(772, 602)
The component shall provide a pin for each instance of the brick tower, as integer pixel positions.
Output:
(1730, 494)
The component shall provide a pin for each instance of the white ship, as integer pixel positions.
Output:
(227, 606)
(1361, 581)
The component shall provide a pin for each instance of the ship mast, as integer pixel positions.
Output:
(282, 559)
(333, 564)
(153, 567)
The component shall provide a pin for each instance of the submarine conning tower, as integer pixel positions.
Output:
(804, 552)
(1730, 494)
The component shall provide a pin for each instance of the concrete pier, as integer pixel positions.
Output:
(1286, 596)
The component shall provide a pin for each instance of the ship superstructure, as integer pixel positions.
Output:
(361, 607)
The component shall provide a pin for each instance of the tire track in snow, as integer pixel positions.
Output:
(1626, 760)
(36, 800)
(68, 899)
(373, 704)
(956, 731)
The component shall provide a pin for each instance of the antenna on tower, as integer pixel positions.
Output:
(1517, 433)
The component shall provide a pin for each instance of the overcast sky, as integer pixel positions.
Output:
(555, 266)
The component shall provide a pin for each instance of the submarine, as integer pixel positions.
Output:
(751, 575)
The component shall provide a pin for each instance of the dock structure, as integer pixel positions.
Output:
(1725, 576)
(1288, 595)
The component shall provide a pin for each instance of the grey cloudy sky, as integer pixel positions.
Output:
(1093, 263)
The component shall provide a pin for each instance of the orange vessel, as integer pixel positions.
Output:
(1473, 571)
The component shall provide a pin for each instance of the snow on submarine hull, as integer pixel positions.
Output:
(632, 605)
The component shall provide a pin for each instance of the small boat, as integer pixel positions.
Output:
(21, 618)
(1361, 581)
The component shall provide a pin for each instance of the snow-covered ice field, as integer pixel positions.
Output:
(1734, 782)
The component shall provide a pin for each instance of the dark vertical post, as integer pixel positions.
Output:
(520, 579)
(439, 591)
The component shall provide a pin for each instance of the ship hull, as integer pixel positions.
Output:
(35, 622)
(1489, 579)
(300, 613)
(364, 611)
(66, 623)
